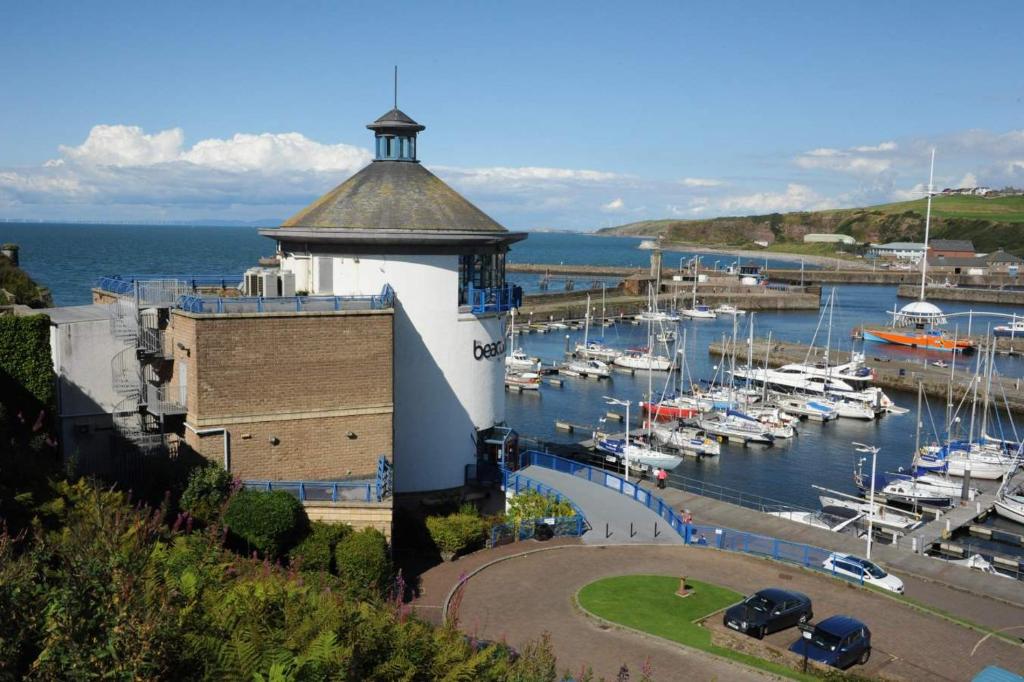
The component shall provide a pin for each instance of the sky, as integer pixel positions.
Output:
(572, 115)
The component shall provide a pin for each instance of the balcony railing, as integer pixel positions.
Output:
(286, 304)
(124, 284)
(494, 299)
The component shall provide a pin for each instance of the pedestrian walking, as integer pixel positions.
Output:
(687, 517)
(662, 475)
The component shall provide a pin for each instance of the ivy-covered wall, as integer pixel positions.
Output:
(26, 366)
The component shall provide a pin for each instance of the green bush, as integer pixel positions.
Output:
(26, 366)
(209, 487)
(453, 533)
(269, 522)
(316, 551)
(363, 562)
(530, 504)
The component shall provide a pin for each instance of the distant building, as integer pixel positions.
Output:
(905, 251)
(821, 238)
(951, 248)
(969, 191)
(762, 243)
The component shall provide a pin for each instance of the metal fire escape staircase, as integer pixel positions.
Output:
(138, 419)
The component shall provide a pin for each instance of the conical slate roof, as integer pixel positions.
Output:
(396, 118)
(394, 195)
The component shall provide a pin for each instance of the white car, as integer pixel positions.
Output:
(850, 566)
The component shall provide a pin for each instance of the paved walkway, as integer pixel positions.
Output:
(613, 517)
(518, 599)
(913, 568)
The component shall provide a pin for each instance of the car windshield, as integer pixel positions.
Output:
(760, 603)
(871, 569)
(824, 640)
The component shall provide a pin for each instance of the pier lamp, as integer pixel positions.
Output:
(625, 447)
(861, 447)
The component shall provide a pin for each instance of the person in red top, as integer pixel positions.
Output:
(662, 475)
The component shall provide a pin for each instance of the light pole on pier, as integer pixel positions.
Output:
(861, 447)
(625, 446)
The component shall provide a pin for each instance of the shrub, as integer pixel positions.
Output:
(453, 533)
(209, 487)
(363, 562)
(532, 505)
(316, 551)
(26, 366)
(269, 522)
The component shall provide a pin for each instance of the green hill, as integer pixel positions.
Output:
(990, 223)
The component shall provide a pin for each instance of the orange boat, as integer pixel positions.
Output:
(917, 338)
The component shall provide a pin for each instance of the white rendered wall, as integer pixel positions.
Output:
(82, 353)
(443, 394)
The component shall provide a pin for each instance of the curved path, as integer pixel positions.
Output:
(517, 599)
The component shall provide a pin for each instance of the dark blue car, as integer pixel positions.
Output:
(839, 641)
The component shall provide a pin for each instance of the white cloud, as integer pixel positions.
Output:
(701, 182)
(614, 205)
(524, 175)
(834, 160)
(119, 145)
(968, 180)
(796, 198)
(881, 147)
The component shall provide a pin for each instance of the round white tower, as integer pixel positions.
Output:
(395, 223)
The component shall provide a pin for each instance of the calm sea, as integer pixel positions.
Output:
(68, 259)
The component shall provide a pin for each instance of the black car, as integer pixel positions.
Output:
(767, 611)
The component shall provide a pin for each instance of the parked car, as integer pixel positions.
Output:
(767, 611)
(850, 566)
(839, 641)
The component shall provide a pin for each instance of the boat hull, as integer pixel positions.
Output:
(1009, 510)
(917, 340)
(661, 411)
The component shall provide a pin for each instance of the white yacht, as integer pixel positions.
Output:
(685, 439)
(812, 408)
(638, 454)
(518, 359)
(985, 463)
(587, 368)
(729, 309)
(881, 515)
(794, 379)
(639, 358)
(700, 312)
(834, 519)
(597, 351)
(523, 381)
(734, 425)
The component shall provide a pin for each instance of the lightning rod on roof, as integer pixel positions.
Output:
(396, 86)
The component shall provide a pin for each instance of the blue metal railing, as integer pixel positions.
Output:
(515, 483)
(726, 539)
(282, 304)
(494, 299)
(322, 491)
(123, 284)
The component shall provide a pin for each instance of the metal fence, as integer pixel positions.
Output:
(494, 299)
(283, 304)
(718, 537)
(321, 491)
(515, 483)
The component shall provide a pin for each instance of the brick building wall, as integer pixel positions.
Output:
(302, 395)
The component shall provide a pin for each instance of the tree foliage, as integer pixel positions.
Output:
(364, 562)
(26, 366)
(271, 522)
(208, 490)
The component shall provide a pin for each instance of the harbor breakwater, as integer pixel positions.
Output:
(965, 294)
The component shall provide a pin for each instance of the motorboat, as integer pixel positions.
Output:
(729, 309)
(905, 489)
(835, 519)
(1014, 329)
(680, 407)
(812, 408)
(878, 514)
(640, 358)
(685, 439)
(587, 368)
(735, 425)
(699, 312)
(656, 316)
(524, 381)
(854, 372)
(930, 339)
(667, 336)
(851, 409)
(794, 378)
(638, 454)
(777, 422)
(518, 359)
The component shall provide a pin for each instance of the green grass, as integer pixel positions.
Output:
(1003, 209)
(648, 603)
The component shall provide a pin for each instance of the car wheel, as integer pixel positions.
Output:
(760, 632)
(865, 656)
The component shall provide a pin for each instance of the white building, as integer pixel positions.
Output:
(396, 224)
(906, 251)
(824, 238)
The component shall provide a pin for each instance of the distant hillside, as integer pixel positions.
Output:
(989, 223)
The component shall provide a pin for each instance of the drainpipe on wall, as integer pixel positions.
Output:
(212, 432)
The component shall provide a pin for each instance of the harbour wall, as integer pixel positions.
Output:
(900, 375)
(965, 294)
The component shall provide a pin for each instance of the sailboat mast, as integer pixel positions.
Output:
(586, 325)
(750, 350)
(927, 224)
(990, 352)
(828, 335)
(917, 437)
(764, 384)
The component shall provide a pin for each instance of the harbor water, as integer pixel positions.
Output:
(68, 258)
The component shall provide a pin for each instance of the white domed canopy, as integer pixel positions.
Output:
(921, 312)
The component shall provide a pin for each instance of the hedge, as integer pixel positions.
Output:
(364, 563)
(453, 533)
(26, 366)
(269, 522)
(209, 487)
(316, 551)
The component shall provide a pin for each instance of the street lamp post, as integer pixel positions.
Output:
(861, 447)
(625, 446)
(681, 258)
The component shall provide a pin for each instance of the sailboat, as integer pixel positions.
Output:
(592, 350)
(698, 311)
(916, 324)
(517, 359)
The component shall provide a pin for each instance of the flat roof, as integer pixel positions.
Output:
(94, 312)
